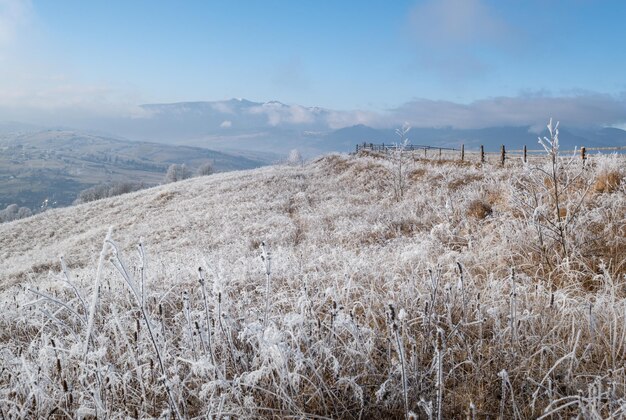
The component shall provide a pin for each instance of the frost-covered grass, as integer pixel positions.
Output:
(317, 292)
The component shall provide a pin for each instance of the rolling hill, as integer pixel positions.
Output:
(345, 288)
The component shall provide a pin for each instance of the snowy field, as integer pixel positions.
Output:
(351, 287)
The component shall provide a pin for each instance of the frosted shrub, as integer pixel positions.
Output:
(401, 162)
(294, 158)
(557, 205)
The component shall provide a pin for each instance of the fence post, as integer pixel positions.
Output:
(525, 154)
(583, 154)
(462, 152)
(502, 155)
(482, 154)
(425, 149)
(440, 153)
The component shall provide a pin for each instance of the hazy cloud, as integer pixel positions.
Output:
(66, 103)
(448, 35)
(226, 124)
(583, 110)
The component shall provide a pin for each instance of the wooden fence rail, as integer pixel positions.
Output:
(392, 147)
(503, 154)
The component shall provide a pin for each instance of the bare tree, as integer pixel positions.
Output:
(176, 173)
(205, 169)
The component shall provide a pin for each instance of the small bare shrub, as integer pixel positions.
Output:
(607, 182)
(466, 180)
(416, 174)
(336, 164)
(479, 209)
(295, 158)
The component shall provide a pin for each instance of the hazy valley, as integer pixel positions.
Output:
(50, 167)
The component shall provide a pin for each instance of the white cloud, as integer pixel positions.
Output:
(278, 113)
(222, 107)
(226, 124)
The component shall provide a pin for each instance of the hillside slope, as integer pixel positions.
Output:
(428, 288)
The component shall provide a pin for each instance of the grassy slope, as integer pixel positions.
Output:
(343, 249)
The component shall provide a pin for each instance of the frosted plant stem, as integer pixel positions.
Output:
(96, 289)
(405, 391)
(58, 302)
(503, 393)
(400, 348)
(265, 256)
(206, 314)
(121, 268)
(142, 267)
(439, 354)
(463, 300)
(513, 309)
(66, 276)
(187, 314)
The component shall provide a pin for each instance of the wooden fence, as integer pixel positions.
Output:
(481, 155)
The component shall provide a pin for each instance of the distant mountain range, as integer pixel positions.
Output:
(274, 128)
(240, 124)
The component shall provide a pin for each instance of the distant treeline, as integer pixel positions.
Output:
(14, 212)
(175, 172)
(108, 190)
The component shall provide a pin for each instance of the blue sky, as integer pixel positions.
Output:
(377, 56)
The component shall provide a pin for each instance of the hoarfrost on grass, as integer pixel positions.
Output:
(492, 315)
